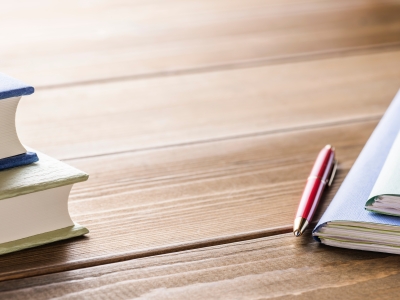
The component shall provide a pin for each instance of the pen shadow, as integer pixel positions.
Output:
(329, 193)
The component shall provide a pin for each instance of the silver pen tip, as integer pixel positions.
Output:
(299, 226)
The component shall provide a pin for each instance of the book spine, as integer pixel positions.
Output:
(18, 160)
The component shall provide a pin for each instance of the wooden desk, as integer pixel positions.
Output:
(198, 122)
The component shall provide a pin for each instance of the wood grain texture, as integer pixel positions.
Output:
(133, 115)
(215, 154)
(146, 203)
(75, 41)
(279, 267)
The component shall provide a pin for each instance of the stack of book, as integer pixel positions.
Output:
(34, 188)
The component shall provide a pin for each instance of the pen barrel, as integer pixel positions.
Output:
(316, 183)
(311, 197)
(323, 163)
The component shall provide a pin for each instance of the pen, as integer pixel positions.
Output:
(324, 167)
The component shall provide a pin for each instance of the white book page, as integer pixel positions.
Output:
(9, 141)
(34, 213)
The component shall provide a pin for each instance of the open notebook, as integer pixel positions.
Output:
(385, 195)
(346, 223)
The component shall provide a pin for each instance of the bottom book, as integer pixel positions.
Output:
(34, 204)
(43, 238)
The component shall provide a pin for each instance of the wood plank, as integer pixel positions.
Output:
(279, 267)
(74, 41)
(145, 203)
(131, 115)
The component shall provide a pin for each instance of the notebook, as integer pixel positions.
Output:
(385, 195)
(346, 223)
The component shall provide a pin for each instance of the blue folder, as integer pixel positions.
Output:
(349, 202)
(11, 87)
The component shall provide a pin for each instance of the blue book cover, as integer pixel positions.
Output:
(346, 223)
(18, 160)
(11, 87)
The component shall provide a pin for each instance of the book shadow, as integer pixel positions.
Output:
(46, 259)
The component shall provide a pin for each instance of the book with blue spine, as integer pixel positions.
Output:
(12, 152)
(351, 221)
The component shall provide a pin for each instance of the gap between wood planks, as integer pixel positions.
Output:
(151, 252)
(257, 269)
(302, 57)
(249, 135)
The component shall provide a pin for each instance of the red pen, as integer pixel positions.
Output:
(324, 167)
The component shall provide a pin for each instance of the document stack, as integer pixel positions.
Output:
(34, 188)
(365, 212)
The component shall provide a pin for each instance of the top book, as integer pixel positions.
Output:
(12, 152)
(11, 87)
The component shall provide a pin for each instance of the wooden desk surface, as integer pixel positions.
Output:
(198, 122)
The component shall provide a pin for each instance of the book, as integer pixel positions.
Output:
(12, 152)
(346, 223)
(385, 195)
(34, 204)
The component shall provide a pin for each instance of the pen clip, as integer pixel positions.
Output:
(334, 169)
